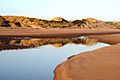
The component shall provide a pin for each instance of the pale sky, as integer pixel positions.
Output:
(68, 9)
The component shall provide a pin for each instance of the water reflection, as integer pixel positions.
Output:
(22, 43)
(39, 63)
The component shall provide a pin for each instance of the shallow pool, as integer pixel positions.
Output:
(37, 63)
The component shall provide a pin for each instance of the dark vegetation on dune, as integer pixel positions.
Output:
(57, 22)
(4, 22)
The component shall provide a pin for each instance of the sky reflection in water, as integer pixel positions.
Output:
(37, 63)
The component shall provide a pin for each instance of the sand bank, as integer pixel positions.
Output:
(110, 39)
(100, 64)
(48, 33)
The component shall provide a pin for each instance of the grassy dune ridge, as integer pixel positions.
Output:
(57, 22)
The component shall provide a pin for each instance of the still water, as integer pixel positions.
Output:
(38, 63)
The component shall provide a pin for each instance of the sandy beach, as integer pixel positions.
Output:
(48, 33)
(111, 39)
(59, 40)
(99, 64)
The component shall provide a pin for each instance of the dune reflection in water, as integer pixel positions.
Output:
(35, 42)
(39, 63)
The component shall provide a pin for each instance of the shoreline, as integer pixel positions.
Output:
(102, 63)
(111, 39)
(87, 65)
(55, 33)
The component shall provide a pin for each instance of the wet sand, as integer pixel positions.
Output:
(99, 64)
(49, 33)
(109, 39)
